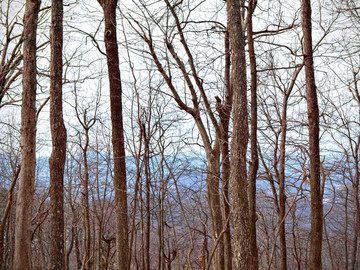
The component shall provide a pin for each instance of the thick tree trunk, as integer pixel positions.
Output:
(22, 257)
(122, 245)
(238, 177)
(58, 136)
(254, 165)
(313, 117)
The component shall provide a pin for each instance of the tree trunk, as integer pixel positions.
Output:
(58, 136)
(147, 190)
(254, 165)
(213, 181)
(238, 175)
(22, 257)
(87, 261)
(355, 250)
(122, 245)
(6, 217)
(282, 195)
(313, 117)
(224, 115)
(77, 250)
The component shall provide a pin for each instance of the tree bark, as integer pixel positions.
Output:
(355, 248)
(58, 138)
(212, 184)
(254, 165)
(238, 174)
(224, 115)
(22, 257)
(87, 261)
(146, 159)
(313, 117)
(122, 245)
(6, 217)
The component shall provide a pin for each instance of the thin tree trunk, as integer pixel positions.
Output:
(68, 252)
(282, 195)
(238, 176)
(122, 245)
(346, 228)
(77, 250)
(161, 217)
(213, 181)
(58, 136)
(147, 190)
(22, 257)
(87, 235)
(6, 217)
(254, 165)
(313, 117)
(224, 114)
(355, 250)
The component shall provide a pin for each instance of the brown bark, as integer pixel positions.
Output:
(22, 257)
(212, 184)
(122, 245)
(254, 165)
(77, 250)
(69, 250)
(146, 160)
(313, 117)
(355, 247)
(58, 139)
(346, 228)
(224, 115)
(238, 176)
(87, 262)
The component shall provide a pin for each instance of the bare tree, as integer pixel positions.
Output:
(86, 122)
(22, 259)
(178, 56)
(122, 242)
(58, 132)
(314, 141)
(254, 165)
(243, 256)
(11, 55)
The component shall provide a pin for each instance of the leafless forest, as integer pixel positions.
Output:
(179, 134)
